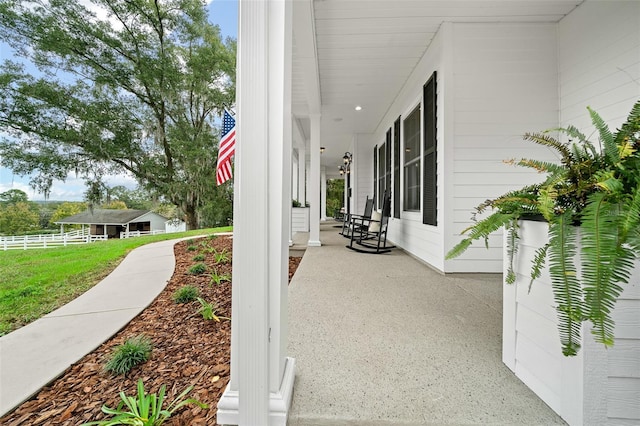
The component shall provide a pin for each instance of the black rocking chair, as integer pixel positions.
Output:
(347, 225)
(370, 235)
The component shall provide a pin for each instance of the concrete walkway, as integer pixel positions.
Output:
(34, 355)
(385, 340)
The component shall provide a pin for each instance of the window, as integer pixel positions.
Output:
(384, 169)
(429, 189)
(412, 161)
(396, 168)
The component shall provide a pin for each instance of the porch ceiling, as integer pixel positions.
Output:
(361, 52)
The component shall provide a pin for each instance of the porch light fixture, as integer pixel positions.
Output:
(347, 158)
(341, 170)
(322, 150)
(358, 108)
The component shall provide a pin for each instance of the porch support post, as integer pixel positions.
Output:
(314, 183)
(323, 194)
(302, 174)
(261, 385)
(292, 187)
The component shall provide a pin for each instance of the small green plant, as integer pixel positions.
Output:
(198, 269)
(198, 258)
(221, 256)
(145, 409)
(295, 203)
(185, 294)
(134, 351)
(208, 310)
(219, 278)
(192, 248)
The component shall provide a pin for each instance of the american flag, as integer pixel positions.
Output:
(226, 149)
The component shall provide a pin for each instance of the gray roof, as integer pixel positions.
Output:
(105, 217)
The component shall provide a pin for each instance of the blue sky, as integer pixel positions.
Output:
(224, 13)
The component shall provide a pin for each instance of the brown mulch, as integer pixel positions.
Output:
(187, 350)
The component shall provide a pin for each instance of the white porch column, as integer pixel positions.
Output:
(314, 183)
(261, 385)
(294, 176)
(302, 174)
(294, 189)
(323, 194)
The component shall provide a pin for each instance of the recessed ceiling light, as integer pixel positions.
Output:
(358, 108)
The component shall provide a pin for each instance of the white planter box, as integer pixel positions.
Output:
(598, 386)
(300, 219)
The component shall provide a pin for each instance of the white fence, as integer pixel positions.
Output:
(139, 233)
(24, 242)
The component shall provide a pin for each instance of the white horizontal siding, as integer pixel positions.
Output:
(600, 67)
(505, 85)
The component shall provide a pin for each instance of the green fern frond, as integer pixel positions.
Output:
(512, 249)
(629, 130)
(610, 148)
(551, 142)
(606, 180)
(564, 281)
(539, 261)
(480, 230)
(605, 264)
(540, 166)
(571, 131)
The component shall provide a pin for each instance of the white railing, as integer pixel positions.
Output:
(24, 242)
(130, 234)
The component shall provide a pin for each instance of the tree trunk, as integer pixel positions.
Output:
(191, 217)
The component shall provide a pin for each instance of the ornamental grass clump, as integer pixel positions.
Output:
(591, 201)
(145, 409)
(185, 294)
(136, 350)
(197, 269)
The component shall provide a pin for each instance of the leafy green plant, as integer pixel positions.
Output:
(219, 278)
(197, 269)
(295, 203)
(591, 201)
(192, 248)
(208, 310)
(185, 294)
(145, 409)
(198, 258)
(134, 351)
(221, 256)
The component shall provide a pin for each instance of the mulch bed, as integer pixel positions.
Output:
(187, 351)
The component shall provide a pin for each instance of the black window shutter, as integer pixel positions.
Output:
(429, 189)
(396, 169)
(375, 174)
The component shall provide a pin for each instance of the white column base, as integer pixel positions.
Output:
(279, 402)
(314, 244)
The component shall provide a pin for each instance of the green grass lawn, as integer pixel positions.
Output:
(35, 282)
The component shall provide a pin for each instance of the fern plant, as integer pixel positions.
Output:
(591, 200)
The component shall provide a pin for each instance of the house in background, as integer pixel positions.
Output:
(428, 98)
(115, 223)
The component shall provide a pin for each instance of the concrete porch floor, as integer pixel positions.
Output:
(385, 340)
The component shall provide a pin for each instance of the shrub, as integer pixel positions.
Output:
(145, 409)
(185, 294)
(134, 351)
(198, 269)
(198, 258)
(192, 248)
